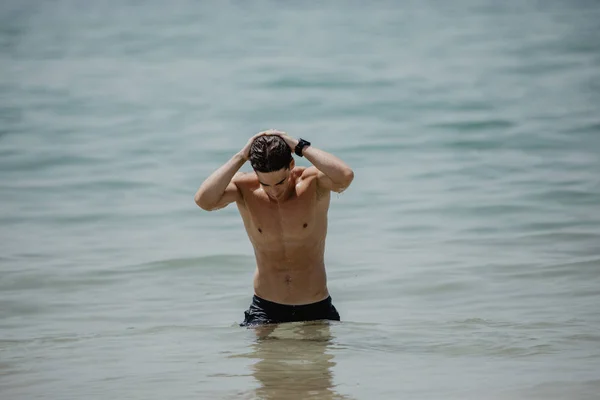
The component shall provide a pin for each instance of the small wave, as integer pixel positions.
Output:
(327, 83)
(463, 126)
(563, 390)
(43, 163)
(584, 337)
(226, 260)
(587, 268)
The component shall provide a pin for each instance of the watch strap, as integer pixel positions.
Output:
(300, 146)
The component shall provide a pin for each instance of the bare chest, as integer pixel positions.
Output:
(296, 220)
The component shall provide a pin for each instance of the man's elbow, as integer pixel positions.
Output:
(202, 203)
(348, 177)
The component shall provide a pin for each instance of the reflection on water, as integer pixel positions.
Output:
(293, 362)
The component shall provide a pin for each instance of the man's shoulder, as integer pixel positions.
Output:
(308, 172)
(244, 178)
(245, 181)
(309, 178)
(309, 175)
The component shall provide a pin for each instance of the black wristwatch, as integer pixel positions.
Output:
(301, 144)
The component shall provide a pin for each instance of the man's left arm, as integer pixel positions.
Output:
(333, 173)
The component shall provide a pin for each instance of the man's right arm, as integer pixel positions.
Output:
(219, 189)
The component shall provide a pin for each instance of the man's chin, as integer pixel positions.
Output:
(278, 197)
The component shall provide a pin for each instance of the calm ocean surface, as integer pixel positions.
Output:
(464, 259)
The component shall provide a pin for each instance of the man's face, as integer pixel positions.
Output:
(275, 183)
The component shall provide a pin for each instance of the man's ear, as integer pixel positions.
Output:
(292, 164)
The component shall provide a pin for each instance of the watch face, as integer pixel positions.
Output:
(301, 144)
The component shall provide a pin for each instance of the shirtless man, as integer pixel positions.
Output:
(284, 210)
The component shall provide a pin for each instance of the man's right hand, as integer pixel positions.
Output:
(246, 150)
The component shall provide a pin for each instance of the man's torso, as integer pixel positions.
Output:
(288, 239)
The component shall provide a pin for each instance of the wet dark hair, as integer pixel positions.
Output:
(270, 153)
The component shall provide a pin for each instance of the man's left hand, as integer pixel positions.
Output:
(290, 141)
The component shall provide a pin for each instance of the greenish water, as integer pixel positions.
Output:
(464, 259)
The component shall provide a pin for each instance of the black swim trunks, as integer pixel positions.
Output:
(263, 312)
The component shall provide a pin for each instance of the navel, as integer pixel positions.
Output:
(259, 230)
(305, 225)
(288, 279)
